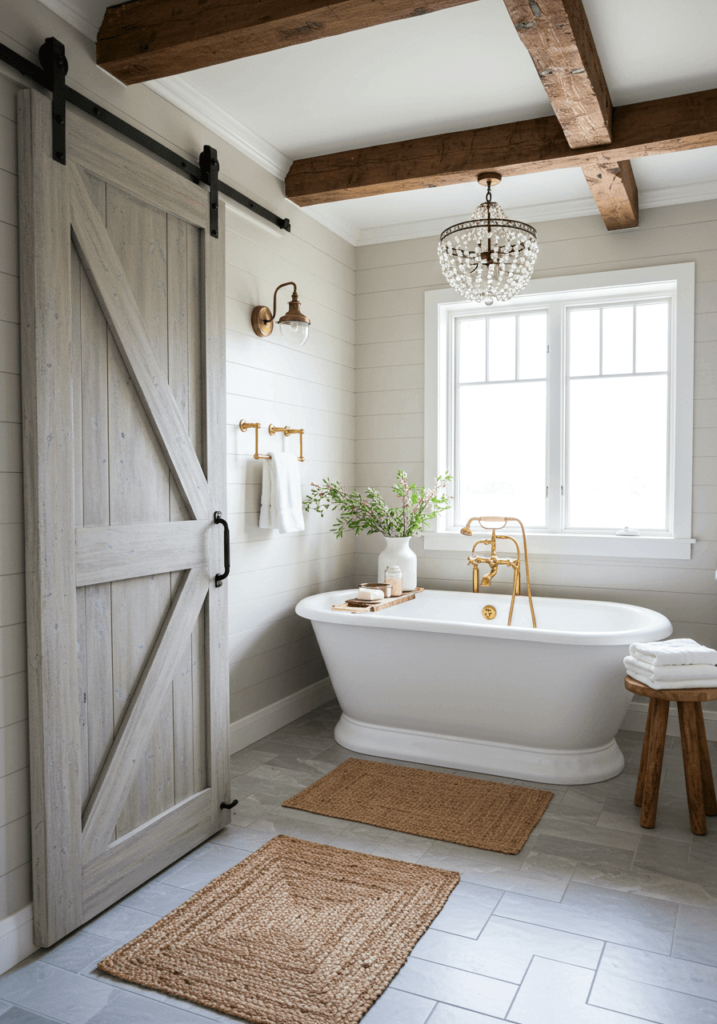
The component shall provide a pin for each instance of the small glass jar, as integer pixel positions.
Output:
(394, 576)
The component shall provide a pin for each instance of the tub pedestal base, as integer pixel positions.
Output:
(566, 767)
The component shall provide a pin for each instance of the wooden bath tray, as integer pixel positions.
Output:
(388, 602)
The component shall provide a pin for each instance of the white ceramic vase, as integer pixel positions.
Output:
(398, 551)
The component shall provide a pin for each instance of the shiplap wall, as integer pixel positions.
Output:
(391, 282)
(276, 669)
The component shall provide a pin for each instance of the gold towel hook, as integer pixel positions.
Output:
(244, 426)
(290, 430)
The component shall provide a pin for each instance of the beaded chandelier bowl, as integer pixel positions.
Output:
(489, 257)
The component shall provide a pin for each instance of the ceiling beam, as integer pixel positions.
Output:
(614, 189)
(557, 36)
(641, 129)
(146, 39)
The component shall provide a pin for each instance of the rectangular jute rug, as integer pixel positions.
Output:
(473, 812)
(297, 933)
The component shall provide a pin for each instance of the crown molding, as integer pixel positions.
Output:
(331, 219)
(74, 13)
(421, 229)
(193, 102)
(673, 195)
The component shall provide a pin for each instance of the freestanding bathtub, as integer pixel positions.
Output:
(433, 681)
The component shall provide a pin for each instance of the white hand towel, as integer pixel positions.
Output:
(287, 515)
(281, 494)
(266, 508)
(670, 673)
(675, 652)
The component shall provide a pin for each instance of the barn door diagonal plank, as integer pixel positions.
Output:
(119, 306)
(115, 780)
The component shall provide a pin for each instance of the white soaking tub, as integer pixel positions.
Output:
(433, 681)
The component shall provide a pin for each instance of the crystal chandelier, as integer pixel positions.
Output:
(489, 257)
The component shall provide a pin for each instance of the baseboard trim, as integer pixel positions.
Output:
(259, 724)
(636, 717)
(16, 938)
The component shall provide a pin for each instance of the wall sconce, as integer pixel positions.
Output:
(293, 325)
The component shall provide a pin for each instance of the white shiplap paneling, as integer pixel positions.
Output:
(391, 281)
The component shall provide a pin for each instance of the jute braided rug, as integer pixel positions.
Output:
(297, 933)
(472, 812)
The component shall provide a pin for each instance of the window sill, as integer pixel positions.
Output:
(593, 545)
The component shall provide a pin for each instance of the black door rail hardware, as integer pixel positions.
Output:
(210, 176)
(53, 59)
(227, 565)
(227, 807)
(48, 77)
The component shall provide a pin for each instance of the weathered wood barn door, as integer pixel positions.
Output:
(122, 291)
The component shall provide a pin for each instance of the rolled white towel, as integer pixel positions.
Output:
(674, 652)
(675, 684)
(670, 673)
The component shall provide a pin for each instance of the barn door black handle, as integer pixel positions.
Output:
(227, 565)
(228, 807)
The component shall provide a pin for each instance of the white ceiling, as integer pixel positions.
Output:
(460, 68)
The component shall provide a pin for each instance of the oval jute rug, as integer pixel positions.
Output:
(472, 812)
(297, 933)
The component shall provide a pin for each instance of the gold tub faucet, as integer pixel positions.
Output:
(494, 561)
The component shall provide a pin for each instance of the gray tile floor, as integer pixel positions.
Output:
(596, 921)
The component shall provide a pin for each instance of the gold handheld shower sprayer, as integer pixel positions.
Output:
(493, 561)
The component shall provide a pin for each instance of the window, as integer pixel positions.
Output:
(569, 407)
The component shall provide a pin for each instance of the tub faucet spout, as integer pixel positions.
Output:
(493, 561)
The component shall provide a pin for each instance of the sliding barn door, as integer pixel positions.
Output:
(122, 291)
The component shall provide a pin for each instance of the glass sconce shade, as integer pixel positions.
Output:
(296, 332)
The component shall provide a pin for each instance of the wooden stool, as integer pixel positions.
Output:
(695, 753)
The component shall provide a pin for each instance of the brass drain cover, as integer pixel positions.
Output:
(489, 612)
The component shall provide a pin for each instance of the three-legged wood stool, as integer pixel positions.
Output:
(701, 798)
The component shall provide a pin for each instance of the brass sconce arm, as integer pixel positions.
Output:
(294, 297)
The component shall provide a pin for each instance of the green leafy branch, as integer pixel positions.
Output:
(369, 513)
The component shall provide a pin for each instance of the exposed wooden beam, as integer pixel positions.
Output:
(558, 38)
(147, 39)
(613, 186)
(641, 129)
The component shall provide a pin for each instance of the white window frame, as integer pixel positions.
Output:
(441, 305)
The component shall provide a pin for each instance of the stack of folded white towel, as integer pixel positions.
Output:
(673, 665)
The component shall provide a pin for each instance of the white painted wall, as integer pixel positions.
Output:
(276, 669)
(391, 281)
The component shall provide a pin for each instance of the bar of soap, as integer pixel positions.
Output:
(364, 594)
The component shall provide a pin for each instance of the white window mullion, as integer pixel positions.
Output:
(556, 360)
(452, 441)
